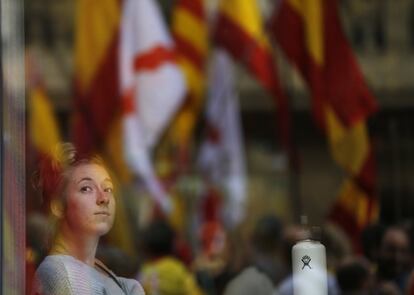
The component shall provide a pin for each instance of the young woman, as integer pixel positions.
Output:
(80, 194)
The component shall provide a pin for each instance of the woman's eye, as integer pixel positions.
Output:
(85, 189)
(109, 190)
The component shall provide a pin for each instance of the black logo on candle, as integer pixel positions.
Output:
(306, 260)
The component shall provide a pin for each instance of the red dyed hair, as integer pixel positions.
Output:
(54, 168)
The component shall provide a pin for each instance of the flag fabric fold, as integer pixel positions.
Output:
(310, 34)
(152, 88)
(240, 31)
(221, 155)
(190, 32)
(43, 126)
(44, 130)
(96, 89)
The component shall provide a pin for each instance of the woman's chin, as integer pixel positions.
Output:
(102, 229)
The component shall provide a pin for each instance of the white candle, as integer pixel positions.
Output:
(309, 268)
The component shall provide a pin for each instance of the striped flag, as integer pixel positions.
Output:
(152, 87)
(96, 104)
(190, 32)
(240, 31)
(44, 131)
(189, 28)
(222, 153)
(310, 33)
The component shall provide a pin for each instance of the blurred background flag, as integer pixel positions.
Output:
(190, 31)
(152, 87)
(310, 34)
(96, 105)
(221, 157)
(240, 31)
(44, 129)
(174, 154)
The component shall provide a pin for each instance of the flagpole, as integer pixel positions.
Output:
(1, 154)
(409, 160)
(290, 149)
(395, 147)
(294, 172)
(295, 196)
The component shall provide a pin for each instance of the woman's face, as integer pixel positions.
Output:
(90, 203)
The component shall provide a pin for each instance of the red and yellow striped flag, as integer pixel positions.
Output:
(96, 81)
(96, 122)
(240, 31)
(310, 33)
(190, 31)
(44, 131)
(43, 127)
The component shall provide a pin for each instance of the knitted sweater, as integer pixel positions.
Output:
(65, 275)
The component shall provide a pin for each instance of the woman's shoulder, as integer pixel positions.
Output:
(51, 276)
(53, 265)
(59, 265)
(62, 272)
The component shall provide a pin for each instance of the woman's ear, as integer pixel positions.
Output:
(56, 207)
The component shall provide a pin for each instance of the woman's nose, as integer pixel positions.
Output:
(102, 198)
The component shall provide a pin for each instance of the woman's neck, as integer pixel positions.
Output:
(81, 247)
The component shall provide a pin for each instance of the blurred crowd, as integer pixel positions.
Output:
(250, 261)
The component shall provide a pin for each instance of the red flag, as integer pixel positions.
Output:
(310, 34)
(189, 28)
(240, 31)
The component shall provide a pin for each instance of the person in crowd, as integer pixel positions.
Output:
(393, 261)
(370, 241)
(337, 244)
(265, 268)
(162, 273)
(354, 276)
(214, 265)
(80, 194)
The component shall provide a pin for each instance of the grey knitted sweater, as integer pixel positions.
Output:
(65, 275)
